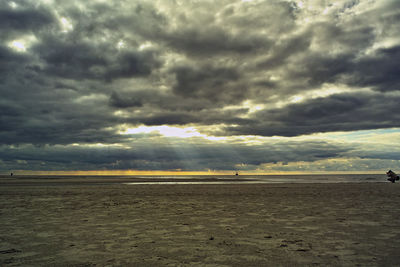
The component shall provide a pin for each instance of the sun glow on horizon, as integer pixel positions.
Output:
(179, 173)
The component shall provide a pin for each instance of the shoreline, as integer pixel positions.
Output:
(151, 180)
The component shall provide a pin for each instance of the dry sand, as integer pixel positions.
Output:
(205, 225)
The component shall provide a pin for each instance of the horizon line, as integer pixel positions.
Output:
(176, 172)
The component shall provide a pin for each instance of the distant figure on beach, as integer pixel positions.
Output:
(392, 176)
(237, 174)
(11, 174)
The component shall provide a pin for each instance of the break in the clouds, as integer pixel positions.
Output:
(78, 78)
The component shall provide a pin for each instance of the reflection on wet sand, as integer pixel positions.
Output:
(199, 182)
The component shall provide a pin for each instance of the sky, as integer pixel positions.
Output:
(200, 86)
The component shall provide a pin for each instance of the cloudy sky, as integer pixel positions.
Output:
(259, 86)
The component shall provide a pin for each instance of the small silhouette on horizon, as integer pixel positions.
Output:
(237, 174)
(11, 174)
(392, 176)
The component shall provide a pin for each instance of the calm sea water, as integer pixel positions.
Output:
(229, 179)
(195, 179)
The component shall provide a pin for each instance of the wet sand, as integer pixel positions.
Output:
(78, 224)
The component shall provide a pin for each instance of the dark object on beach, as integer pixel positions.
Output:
(11, 174)
(392, 176)
(237, 174)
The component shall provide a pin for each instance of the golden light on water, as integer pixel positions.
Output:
(179, 173)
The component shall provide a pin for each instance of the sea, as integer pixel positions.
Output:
(246, 179)
(190, 179)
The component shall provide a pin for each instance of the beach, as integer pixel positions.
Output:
(97, 223)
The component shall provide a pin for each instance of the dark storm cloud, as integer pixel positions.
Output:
(343, 112)
(175, 155)
(208, 82)
(203, 29)
(347, 68)
(152, 100)
(286, 48)
(212, 40)
(319, 69)
(70, 59)
(10, 61)
(34, 113)
(381, 71)
(124, 102)
(152, 107)
(81, 72)
(25, 20)
(50, 127)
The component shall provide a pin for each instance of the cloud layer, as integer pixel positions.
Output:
(80, 73)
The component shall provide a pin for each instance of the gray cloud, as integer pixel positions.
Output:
(335, 113)
(208, 82)
(27, 19)
(79, 73)
(379, 71)
(191, 155)
(70, 59)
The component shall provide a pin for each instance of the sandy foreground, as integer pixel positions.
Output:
(88, 224)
